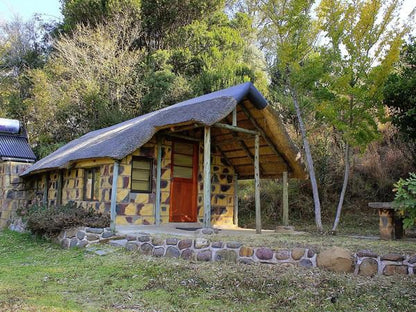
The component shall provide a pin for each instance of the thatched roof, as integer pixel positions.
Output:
(122, 139)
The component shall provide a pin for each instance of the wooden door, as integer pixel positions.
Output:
(184, 182)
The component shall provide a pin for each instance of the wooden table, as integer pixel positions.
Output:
(391, 224)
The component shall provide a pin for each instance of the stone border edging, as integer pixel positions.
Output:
(364, 262)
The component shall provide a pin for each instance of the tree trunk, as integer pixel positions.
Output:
(309, 162)
(343, 190)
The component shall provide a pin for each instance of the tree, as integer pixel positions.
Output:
(90, 82)
(364, 39)
(400, 92)
(288, 37)
(23, 46)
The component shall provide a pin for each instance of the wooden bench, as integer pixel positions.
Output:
(391, 224)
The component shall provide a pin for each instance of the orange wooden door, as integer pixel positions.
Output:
(184, 182)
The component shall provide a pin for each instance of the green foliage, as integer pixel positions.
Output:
(50, 221)
(400, 91)
(405, 199)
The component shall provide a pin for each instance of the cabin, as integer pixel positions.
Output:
(15, 157)
(175, 165)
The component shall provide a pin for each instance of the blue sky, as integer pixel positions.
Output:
(26, 8)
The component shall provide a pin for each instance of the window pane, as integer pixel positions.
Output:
(182, 172)
(141, 174)
(182, 160)
(183, 148)
(140, 186)
(141, 164)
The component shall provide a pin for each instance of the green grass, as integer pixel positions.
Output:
(38, 276)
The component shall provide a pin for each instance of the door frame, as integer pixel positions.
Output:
(195, 169)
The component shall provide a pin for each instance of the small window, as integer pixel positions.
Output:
(91, 183)
(141, 174)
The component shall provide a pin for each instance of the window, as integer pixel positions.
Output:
(91, 183)
(141, 174)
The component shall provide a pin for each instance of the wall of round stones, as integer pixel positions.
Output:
(364, 262)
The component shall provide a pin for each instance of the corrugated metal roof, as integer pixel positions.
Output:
(16, 148)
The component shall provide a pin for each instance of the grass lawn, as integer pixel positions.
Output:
(38, 276)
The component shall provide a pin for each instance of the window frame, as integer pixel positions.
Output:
(94, 171)
(150, 180)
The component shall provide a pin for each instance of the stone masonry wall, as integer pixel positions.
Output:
(364, 262)
(138, 208)
(13, 192)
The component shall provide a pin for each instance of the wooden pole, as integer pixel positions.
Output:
(257, 184)
(59, 186)
(114, 196)
(235, 117)
(45, 199)
(207, 177)
(158, 179)
(285, 200)
(235, 200)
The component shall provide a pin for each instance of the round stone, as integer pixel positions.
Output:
(157, 241)
(246, 251)
(368, 267)
(204, 255)
(188, 254)
(311, 253)
(131, 237)
(393, 257)
(107, 234)
(366, 253)
(201, 243)
(234, 245)
(217, 244)
(158, 251)
(185, 243)
(146, 249)
(226, 255)
(92, 237)
(131, 246)
(94, 230)
(172, 252)
(335, 259)
(80, 235)
(143, 238)
(306, 263)
(298, 253)
(282, 254)
(395, 269)
(82, 244)
(412, 259)
(73, 242)
(171, 241)
(264, 253)
(207, 231)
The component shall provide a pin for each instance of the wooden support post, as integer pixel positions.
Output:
(59, 190)
(235, 117)
(235, 200)
(257, 184)
(207, 177)
(114, 196)
(45, 199)
(285, 201)
(158, 179)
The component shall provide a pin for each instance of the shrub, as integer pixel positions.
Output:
(50, 221)
(405, 199)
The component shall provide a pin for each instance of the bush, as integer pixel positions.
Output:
(405, 199)
(50, 221)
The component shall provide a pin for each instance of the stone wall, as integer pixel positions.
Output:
(138, 208)
(364, 262)
(13, 191)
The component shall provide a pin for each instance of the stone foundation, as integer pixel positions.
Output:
(364, 262)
